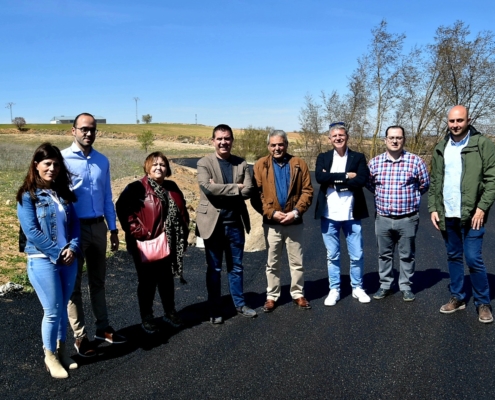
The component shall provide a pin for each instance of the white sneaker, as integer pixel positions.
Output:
(361, 295)
(332, 297)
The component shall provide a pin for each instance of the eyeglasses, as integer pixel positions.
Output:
(337, 124)
(87, 130)
(394, 138)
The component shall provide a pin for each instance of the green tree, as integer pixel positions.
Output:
(147, 118)
(251, 143)
(20, 122)
(146, 139)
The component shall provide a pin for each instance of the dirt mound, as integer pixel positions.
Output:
(186, 179)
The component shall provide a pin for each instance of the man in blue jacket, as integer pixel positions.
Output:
(342, 173)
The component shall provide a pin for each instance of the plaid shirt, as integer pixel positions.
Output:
(398, 185)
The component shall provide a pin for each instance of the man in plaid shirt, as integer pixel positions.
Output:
(397, 179)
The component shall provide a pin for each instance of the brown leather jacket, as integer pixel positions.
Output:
(300, 190)
(141, 213)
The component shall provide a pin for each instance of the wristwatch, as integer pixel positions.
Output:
(296, 214)
(114, 231)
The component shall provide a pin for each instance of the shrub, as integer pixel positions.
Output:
(20, 122)
(146, 139)
(251, 143)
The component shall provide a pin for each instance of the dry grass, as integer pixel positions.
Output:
(16, 150)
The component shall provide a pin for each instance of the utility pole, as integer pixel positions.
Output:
(136, 99)
(196, 116)
(9, 105)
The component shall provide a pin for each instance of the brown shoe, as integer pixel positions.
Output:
(83, 347)
(302, 303)
(452, 306)
(485, 314)
(269, 305)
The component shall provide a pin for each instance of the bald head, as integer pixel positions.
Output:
(458, 122)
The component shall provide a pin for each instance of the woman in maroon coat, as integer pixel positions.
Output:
(146, 208)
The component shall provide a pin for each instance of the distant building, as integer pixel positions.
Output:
(62, 119)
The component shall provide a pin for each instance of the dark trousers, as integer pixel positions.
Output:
(150, 276)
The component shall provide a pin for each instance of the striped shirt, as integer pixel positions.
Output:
(398, 185)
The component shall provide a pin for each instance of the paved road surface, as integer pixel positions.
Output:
(383, 350)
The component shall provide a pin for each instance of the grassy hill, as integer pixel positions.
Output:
(160, 130)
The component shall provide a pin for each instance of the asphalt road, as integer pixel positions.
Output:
(386, 349)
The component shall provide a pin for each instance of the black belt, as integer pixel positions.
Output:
(91, 221)
(400, 216)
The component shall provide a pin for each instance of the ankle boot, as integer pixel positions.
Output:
(53, 366)
(64, 358)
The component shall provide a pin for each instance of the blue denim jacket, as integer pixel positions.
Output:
(39, 223)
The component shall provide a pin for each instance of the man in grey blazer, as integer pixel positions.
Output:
(222, 217)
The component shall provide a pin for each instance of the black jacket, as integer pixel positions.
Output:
(356, 162)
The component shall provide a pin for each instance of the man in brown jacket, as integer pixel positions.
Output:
(285, 191)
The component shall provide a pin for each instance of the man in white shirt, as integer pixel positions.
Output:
(342, 173)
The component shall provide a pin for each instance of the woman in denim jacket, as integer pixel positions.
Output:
(48, 219)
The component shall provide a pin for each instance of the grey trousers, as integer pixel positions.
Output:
(94, 247)
(389, 234)
(276, 237)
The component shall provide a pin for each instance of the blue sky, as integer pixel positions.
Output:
(239, 62)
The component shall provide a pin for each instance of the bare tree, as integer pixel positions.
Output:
(312, 122)
(467, 68)
(415, 90)
(421, 109)
(383, 65)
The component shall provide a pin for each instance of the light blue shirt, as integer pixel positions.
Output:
(91, 184)
(453, 175)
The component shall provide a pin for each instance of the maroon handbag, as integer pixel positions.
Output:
(154, 249)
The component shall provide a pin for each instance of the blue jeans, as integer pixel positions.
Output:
(330, 230)
(229, 239)
(53, 284)
(462, 240)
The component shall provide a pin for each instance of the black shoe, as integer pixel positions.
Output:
(149, 326)
(173, 319)
(109, 335)
(382, 293)
(83, 347)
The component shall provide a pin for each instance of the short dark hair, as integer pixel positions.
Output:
(395, 127)
(32, 181)
(151, 158)
(223, 128)
(80, 115)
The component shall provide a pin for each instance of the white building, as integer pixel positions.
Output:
(62, 119)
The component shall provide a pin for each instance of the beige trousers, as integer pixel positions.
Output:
(276, 236)
(94, 247)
